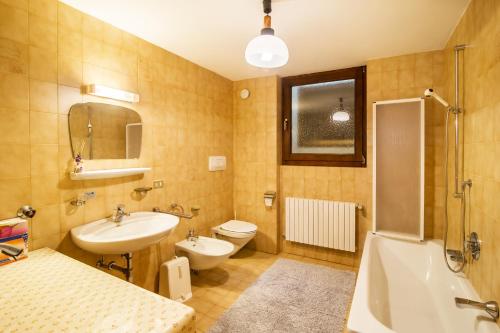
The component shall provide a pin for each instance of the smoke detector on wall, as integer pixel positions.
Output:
(244, 93)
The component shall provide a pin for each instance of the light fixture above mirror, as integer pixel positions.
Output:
(267, 50)
(107, 92)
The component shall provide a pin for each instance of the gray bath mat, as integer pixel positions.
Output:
(291, 297)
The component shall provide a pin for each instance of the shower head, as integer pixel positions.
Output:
(430, 93)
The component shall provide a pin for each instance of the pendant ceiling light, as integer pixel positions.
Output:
(267, 50)
(340, 113)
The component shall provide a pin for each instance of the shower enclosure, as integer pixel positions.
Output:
(398, 168)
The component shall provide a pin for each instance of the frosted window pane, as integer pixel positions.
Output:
(323, 118)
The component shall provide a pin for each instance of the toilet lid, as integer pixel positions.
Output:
(239, 226)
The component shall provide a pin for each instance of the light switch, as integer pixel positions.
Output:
(216, 163)
(157, 183)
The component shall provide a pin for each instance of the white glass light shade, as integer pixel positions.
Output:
(340, 116)
(107, 92)
(267, 51)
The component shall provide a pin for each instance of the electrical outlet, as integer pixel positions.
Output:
(157, 183)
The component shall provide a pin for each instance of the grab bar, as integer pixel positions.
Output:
(194, 211)
(491, 307)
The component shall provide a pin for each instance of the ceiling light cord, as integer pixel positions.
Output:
(267, 30)
(267, 6)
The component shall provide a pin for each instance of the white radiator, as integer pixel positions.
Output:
(323, 223)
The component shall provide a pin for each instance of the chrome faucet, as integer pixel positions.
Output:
(118, 213)
(456, 255)
(191, 236)
(491, 307)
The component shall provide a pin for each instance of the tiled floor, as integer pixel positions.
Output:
(215, 290)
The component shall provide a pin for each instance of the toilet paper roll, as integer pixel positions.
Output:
(268, 202)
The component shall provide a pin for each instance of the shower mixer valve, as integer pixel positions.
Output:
(474, 245)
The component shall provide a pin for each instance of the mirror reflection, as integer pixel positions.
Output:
(104, 131)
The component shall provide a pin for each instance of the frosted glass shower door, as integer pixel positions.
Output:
(398, 168)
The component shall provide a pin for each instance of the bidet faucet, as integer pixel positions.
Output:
(191, 236)
(118, 213)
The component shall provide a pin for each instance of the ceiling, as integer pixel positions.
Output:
(320, 34)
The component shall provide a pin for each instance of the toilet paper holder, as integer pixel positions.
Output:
(269, 198)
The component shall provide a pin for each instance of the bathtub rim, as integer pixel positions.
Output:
(359, 306)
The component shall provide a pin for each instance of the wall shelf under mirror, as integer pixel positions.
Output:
(107, 173)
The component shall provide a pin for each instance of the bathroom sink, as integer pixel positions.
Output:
(135, 232)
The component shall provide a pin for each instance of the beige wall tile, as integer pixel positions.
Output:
(67, 97)
(70, 18)
(42, 33)
(70, 72)
(44, 8)
(481, 106)
(70, 43)
(13, 57)
(256, 164)
(14, 91)
(52, 242)
(14, 161)
(64, 139)
(70, 216)
(43, 96)
(43, 128)
(13, 23)
(14, 126)
(42, 159)
(43, 64)
(19, 4)
(92, 27)
(100, 75)
(13, 194)
(45, 190)
(46, 222)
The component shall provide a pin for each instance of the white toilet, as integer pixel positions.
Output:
(237, 232)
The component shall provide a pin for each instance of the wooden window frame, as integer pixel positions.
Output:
(358, 159)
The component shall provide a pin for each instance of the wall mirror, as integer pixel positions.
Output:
(104, 131)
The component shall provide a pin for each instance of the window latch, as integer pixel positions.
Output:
(285, 124)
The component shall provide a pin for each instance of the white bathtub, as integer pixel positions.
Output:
(405, 287)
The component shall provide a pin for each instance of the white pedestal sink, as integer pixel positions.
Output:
(133, 233)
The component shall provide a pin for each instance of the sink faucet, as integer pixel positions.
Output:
(191, 236)
(490, 307)
(118, 213)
